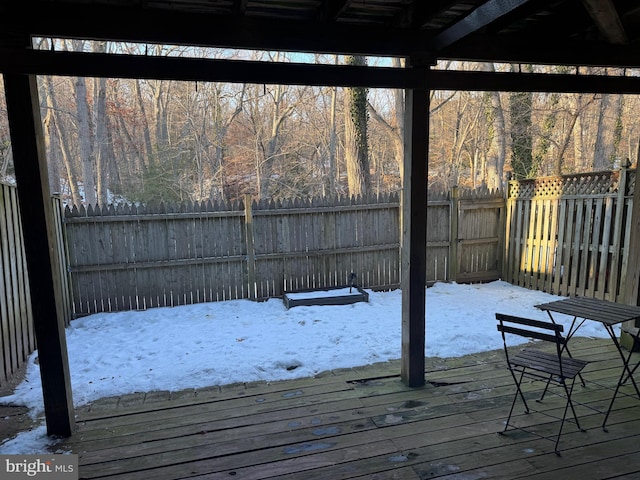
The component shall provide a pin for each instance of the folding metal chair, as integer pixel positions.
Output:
(529, 363)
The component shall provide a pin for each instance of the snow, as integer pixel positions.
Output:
(219, 343)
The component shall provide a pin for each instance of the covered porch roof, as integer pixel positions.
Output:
(585, 33)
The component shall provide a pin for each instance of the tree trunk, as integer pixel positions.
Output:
(602, 147)
(569, 132)
(101, 146)
(221, 128)
(521, 140)
(52, 142)
(497, 144)
(63, 142)
(333, 140)
(578, 137)
(272, 147)
(52, 145)
(618, 128)
(145, 126)
(160, 90)
(85, 135)
(356, 141)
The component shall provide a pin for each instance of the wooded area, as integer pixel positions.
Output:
(115, 140)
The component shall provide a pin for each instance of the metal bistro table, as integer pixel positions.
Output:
(608, 314)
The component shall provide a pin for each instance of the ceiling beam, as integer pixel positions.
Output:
(606, 18)
(532, 82)
(482, 16)
(130, 24)
(45, 62)
(547, 51)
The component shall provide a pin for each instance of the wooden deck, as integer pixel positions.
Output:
(362, 423)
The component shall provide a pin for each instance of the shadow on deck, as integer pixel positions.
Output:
(363, 423)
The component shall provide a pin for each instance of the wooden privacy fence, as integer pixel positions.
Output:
(465, 233)
(17, 337)
(570, 235)
(130, 257)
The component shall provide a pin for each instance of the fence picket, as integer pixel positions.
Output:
(583, 254)
(17, 336)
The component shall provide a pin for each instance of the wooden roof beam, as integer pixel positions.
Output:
(221, 31)
(606, 18)
(547, 51)
(482, 16)
(45, 62)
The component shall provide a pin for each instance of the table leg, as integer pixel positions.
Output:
(633, 370)
(625, 371)
(572, 330)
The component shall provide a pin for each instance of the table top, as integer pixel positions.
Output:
(609, 313)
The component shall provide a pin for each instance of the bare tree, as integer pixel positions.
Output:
(102, 146)
(146, 133)
(333, 141)
(572, 130)
(64, 142)
(222, 119)
(496, 157)
(85, 133)
(520, 108)
(395, 127)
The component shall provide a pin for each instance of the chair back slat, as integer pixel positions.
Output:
(547, 337)
(540, 329)
(556, 327)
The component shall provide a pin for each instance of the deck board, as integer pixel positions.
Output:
(364, 423)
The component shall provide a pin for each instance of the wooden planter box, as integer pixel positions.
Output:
(325, 296)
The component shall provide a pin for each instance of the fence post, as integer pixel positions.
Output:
(454, 206)
(251, 252)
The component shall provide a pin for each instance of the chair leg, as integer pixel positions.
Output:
(568, 390)
(569, 404)
(518, 393)
(518, 382)
(544, 392)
